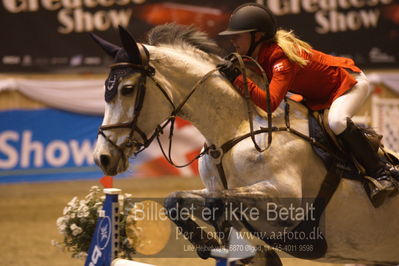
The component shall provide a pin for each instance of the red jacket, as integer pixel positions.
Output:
(320, 82)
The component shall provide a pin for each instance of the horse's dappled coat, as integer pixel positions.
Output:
(289, 169)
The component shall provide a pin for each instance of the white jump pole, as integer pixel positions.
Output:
(123, 262)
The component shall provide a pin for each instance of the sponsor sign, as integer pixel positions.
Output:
(47, 144)
(364, 30)
(51, 35)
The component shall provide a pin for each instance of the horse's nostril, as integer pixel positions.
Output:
(105, 160)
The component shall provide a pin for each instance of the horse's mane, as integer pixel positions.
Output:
(182, 36)
(185, 37)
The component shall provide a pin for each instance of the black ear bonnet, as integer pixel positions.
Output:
(129, 53)
(112, 82)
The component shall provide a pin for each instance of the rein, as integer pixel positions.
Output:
(247, 97)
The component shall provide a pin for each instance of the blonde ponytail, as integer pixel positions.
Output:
(293, 47)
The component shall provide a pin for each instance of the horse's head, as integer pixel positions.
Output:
(131, 94)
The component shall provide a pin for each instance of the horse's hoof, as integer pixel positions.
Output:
(264, 256)
(204, 250)
(272, 259)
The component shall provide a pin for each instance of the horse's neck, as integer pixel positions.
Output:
(218, 114)
(215, 108)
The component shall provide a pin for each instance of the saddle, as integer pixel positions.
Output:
(336, 158)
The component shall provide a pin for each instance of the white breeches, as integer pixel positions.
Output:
(348, 104)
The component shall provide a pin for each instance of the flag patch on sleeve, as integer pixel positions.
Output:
(278, 67)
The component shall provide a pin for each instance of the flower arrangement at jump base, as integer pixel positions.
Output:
(79, 220)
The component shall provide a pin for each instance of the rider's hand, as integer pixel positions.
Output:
(229, 70)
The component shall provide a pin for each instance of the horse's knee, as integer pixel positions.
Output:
(174, 199)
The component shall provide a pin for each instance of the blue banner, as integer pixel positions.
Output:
(47, 144)
(104, 243)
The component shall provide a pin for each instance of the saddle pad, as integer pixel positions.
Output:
(338, 162)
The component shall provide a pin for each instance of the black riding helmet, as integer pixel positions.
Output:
(252, 17)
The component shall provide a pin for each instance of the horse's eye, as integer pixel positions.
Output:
(127, 89)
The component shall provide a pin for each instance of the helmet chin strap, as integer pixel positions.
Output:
(254, 44)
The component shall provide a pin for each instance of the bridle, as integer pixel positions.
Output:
(147, 71)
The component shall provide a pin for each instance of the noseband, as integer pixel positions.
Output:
(147, 71)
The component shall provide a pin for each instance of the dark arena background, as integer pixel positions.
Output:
(51, 103)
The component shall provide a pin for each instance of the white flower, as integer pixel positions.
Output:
(83, 211)
(83, 208)
(60, 221)
(66, 210)
(80, 255)
(120, 201)
(76, 230)
(57, 245)
(89, 196)
(73, 203)
(95, 189)
(93, 195)
(61, 224)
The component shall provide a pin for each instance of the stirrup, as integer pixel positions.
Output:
(379, 190)
(393, 171)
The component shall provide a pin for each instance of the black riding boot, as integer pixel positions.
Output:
(355, 140)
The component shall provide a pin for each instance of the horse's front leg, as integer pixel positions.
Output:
(290, 223)
(232, 207)
(184, 208)
(259, 205)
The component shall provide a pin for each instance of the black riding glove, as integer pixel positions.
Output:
(229, 70)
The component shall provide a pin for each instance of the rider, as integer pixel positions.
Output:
(324, 81)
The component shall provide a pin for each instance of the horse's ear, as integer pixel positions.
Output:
(130, 46)
(109, 48)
